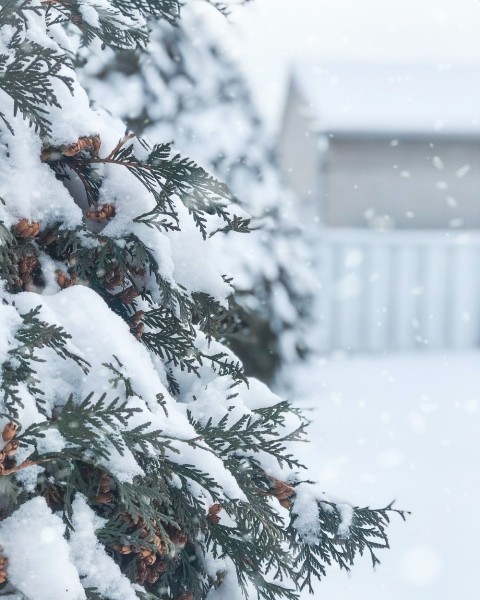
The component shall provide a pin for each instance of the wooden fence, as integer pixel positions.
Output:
(399, 290)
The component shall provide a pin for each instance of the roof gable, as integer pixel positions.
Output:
(386, 98)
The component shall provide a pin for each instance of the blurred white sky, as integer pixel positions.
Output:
(273, 33)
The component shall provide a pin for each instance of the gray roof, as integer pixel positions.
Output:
(386, 98)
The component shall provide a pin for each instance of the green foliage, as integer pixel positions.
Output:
(170, 330)
(163, 508)
(367, 532)
(164, 175)
(29, 78)
(112, 29)
(8, 263)
(33, 335)
(158, 9)
(257, 432)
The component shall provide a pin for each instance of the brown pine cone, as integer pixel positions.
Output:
(213, 513)
(126, 518)
(9, 432)
(25, 228)
(11, 448)
(137, 317)
(280, 489)
(105, 483)
(186, 596)
(26, 265)
(136, 327)
(90, 144)
(160, 567)
(150, 560)
(152, 577)
(142, 572)
(101, 213)
(140, 522)
(114, 278)
(138, 331)
(161, 547)
(137, 271)
(65, 281)
(128, 295)
(179, 538)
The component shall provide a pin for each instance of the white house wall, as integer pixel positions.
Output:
(415, 182)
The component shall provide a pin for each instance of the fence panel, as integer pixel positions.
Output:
(399, 290)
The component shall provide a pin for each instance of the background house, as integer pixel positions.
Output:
(385, 160)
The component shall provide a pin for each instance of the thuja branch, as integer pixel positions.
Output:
(167, 177)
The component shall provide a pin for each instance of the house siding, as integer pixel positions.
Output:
(416, 183)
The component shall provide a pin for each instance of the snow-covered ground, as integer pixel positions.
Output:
(404, 428)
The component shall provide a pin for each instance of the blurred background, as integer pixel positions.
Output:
(376, 108)
(350, 131)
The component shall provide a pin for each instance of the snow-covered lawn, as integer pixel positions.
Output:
(404, 428)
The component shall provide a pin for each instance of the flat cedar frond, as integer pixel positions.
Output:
(367, 532)
(164, 174)
(248, 435)
(18, 369)
(29, 78)
(169, 338)
(115, 29)
(160, 9)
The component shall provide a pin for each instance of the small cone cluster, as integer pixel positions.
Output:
(3, 567)
(136, 325)
(89, 144)
(26, 229)
(26, 267)
(186, 596)
(11, 446)
(65, 281)
(105, 494)
(151, 563)
(149, 569)
(128, 295)
(101, 213)
(114, 278)
(177, 537)
(281, 491)
(213, 513)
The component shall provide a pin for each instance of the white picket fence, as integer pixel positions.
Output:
(399, 290)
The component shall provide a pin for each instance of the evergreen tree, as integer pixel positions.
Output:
(137, 459)
(187, 88)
